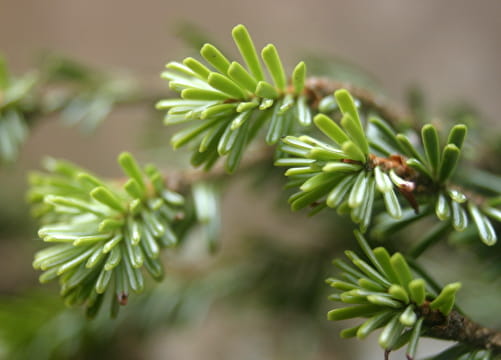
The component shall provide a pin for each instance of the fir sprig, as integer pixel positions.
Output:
(363, 160)
(228, 103)
(384, 290)
(104, 233)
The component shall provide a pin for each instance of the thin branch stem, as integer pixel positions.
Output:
(317, 88)
(457, 327)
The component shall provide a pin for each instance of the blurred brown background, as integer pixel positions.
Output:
(451, 49)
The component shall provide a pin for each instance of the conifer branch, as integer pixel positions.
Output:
(109, 231)
(385, 292)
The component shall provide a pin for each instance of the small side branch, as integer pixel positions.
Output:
(457, 327)
(317, 88)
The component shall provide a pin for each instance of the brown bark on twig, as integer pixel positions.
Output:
(457, 327)
(317, 88)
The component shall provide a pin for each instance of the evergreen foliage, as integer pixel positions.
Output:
(229, 104)
(342, 152)
(105, 233)
(347, 173)
(385, 291)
